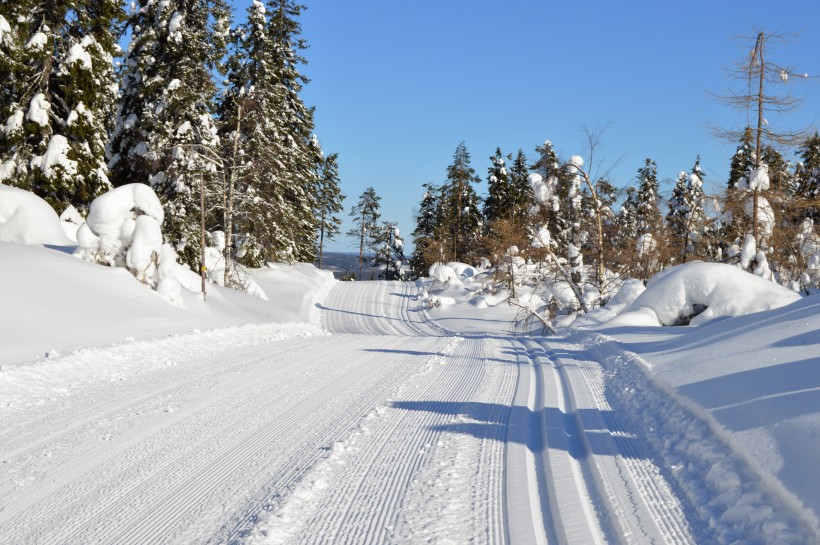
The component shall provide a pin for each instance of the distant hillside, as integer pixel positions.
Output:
(346, 264)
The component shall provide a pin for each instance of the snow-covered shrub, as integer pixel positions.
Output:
(123, 229)
(695, 292)
(25, 218)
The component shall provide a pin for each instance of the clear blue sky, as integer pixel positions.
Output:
(397, 85)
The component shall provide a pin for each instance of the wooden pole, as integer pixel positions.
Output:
(202, 269)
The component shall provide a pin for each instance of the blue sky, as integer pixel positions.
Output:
(397, 85)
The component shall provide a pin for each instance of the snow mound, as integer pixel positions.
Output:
(696, 292)
(25, 218)
(123, 230)
(629, 291)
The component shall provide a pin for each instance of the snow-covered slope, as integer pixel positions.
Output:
(757, 379)
(54, 302)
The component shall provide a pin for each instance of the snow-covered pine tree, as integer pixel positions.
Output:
(389, 251)
(57, 96)
(651, 236)
(626, 233)
(500, 201)
(328, 201)
(297, 150)
(807, 176)
(165, 134)
(461, 212)
(425, 235)
(550, 210)
(689, 225)
(267, 137)
(365, 213)
(521, 189)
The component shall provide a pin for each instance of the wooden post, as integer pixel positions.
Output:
(202, 269)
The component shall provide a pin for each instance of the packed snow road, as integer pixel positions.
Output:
(389, 429)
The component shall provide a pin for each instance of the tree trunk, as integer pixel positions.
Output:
(321, 238)
(230, 200)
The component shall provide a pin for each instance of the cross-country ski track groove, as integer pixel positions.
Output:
(389, 429)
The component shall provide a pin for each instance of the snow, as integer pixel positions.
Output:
(82, 304)
(7, 169)
(5, 29)
(38, 110)
(125, 418)
(759, 178)
(173, 27)
(78, 54)
(56, 156)
(25, 218)
(14, 123)
(37, 42)
(680, 292)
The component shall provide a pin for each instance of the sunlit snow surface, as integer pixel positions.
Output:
(126, 419)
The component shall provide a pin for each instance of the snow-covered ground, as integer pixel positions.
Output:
(350, 412)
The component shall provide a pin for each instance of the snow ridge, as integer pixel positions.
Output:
(734, 501)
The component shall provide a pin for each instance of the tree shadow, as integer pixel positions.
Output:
(549, 428)
(760, 397)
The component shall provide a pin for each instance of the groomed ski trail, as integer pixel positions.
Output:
(390, 429)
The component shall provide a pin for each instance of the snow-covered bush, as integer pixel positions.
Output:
(25, 218)
(695, 292)
(123, 229)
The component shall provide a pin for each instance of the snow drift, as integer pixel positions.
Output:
(25, 218)
(696, 292)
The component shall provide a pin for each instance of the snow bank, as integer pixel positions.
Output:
(56, 303)
(702, 291)
(25, 218)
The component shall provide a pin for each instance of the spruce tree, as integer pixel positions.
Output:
(690, 229)
(425, 235)
(647, 212)
(58, 96)
(272, 156)
(165, 134)
(365, 213)
(461, 206)
(807, 177)
(500, 201)
(389, 251)
(521, 189)
(329, 201)
(297, 151)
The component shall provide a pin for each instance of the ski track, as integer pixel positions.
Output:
(389, 430)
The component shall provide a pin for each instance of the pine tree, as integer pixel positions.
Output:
(389, 251)
(267, 136)
(425, 235)
(500, 201)
(165, 133)
(365, 213)
(627, 232)
(647, 212)
(297, 150)
(329, 201)
(556, 212)
(651, 237)
(461, 206)
(689, 226)
(807, 177)
(521, 189)
(58, 97)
